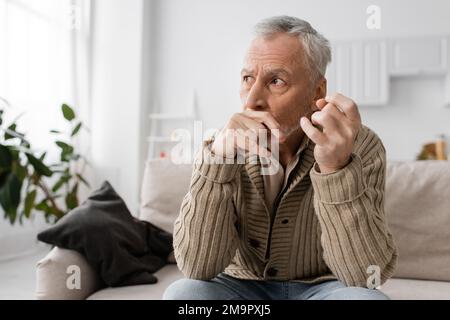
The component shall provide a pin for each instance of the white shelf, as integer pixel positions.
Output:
(363, 69)
(359, 69)
(418, 56)
(158, 143)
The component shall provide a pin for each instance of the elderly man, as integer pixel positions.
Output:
(315, 228)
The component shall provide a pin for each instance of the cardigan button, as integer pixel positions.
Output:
(272, 272)
(254, 243)
(285, 221)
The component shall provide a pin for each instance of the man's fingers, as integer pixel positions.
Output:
(263, 117)
(258, 130)
(326, 121)
(249, 142)
(337, 114)
(334, 123)
(247, 123)
(321, 103)
(312, 132)
(347, 105)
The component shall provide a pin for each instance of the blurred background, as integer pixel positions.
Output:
(134, 70)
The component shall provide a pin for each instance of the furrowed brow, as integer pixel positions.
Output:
(246, 71)
(277, 72)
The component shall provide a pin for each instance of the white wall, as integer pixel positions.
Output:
(200, 45)
(116, 95)
(19, 240)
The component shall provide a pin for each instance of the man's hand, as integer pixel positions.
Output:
(243, 132)
(340, 119)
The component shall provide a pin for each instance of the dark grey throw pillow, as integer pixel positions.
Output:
(122, 249)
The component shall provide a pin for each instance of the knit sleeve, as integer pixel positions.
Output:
(349, 205)
(205, 235)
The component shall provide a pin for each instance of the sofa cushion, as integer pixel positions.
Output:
(164, 186)
(418, 210)
(396, 289)
(408, 289)
(120, 248)
(55, 276)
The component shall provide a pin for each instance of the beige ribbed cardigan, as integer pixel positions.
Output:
(326, 226)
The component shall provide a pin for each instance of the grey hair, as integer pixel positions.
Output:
(317, 47)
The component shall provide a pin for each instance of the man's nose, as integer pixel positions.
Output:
(255, 99)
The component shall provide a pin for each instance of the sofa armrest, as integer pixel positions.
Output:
(65, 275)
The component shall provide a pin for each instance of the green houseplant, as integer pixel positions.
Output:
(27, 183)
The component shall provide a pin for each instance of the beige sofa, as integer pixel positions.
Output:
(417, 205)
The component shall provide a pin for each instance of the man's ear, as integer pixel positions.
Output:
(321, 89)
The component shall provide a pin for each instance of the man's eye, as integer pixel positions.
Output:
(246, 78)
(278, 82)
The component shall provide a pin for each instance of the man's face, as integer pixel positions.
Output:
(275, 79)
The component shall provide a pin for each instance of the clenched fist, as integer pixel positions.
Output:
(340, 119)
(250, 132)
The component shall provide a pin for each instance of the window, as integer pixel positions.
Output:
(43, 60)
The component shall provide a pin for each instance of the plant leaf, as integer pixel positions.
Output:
(64, 179)
(3, 176)
(5, 157)
(55, 132)
(62, 145)
(76, 129)
(48, 210)
(25, 144)
(68, 112)
(20, 170)
(8, 135)
(66, 148)
(12, 133)
(39, 166)
(29, 202)
(12, 215)
(43, 206)
(72, 198)
(10, 196)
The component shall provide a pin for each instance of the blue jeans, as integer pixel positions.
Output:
(224, 287)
